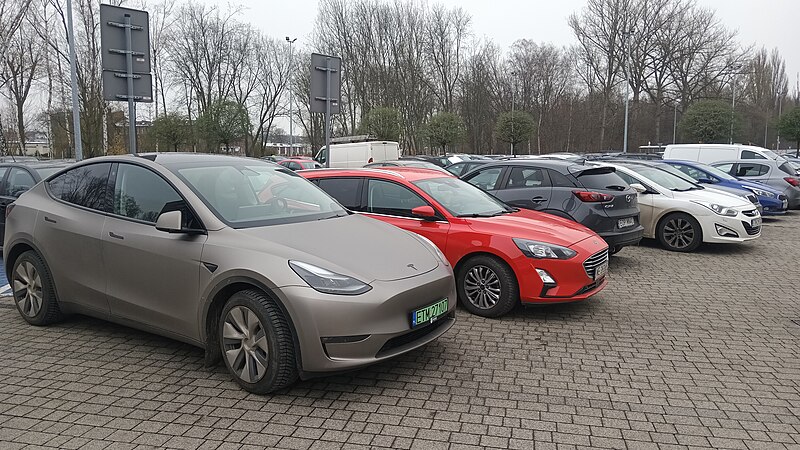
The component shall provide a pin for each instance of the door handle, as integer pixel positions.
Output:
(47, 219)
(538, 199)
(115, 235)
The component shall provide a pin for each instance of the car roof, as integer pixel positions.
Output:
(561, 165)
(398, 172)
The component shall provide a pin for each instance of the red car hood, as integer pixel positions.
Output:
(533, 225)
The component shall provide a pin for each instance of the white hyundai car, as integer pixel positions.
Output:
(682, 215)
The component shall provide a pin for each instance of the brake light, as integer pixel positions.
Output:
(793, 181)
(9, 207)
(593, 197)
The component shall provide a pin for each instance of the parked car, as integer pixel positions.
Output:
(592, 196)
(712, 153)
(631, 156)
(300, 164)
(275, 158)
(234, 255)
(778, 174)
(407, 163)
(502, 255)
(682, 215)
(356, 154)
(17, 178)
(441, 161)
(772, 200)
(460, 168)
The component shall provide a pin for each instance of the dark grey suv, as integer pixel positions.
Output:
(594, 196)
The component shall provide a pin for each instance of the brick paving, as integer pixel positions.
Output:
(680, 351)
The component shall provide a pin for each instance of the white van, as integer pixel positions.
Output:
(358, 154)
(711, 153)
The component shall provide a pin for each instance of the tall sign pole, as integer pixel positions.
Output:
(129, 75)
(326, 85)
(73, 79)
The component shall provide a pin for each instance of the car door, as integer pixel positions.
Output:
(69, 233)
(153, 276)
(346, 190)
(392, 203)
(752, 171)
(526, 187)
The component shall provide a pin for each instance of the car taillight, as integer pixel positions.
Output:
(9, 207)
(593, 197)
(793, 181)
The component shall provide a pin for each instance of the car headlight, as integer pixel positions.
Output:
(543, 250)
(718, 209)
(432, 247)
(763, 193)
(328, 282)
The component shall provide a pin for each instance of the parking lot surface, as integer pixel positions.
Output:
(680, 351)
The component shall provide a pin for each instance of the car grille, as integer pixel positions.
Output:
(751, 213)
(594, 261)
(752, 198)
(751, 230)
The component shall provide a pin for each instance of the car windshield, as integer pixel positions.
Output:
(678, 173)
(718, 173)
(663, 178)
(462, 199)
(770, 154)
(248, 193)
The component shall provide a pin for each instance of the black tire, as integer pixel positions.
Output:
(278, 351)
(34, 291)
(679, 232)
(493, 269)
(614, 250)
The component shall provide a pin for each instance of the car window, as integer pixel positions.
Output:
(692, 172)
(527, 177)
(3, 190)
(346, 191)
(751, 170)
(460, 198)
(627, 178)
(19, 181)
(726, 167)
(141, 194)
(592, 179)
(749, 154)
(45, 172)
(385, 197)
(486, 179)
(456, 169)
(787, 168)
(558, 179)
(84, 186)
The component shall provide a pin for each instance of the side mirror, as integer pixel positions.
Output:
(424, 212)
(639, 188)
(171, 222)
(705, 181)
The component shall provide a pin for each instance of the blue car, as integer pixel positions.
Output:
(773, 201)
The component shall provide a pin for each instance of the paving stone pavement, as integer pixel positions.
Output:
(680, 351)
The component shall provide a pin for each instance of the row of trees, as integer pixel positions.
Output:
(412, 72)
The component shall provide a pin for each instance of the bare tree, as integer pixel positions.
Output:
(23, 64)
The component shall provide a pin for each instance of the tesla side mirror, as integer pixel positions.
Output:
(705, 181)
(424, 212)
(639, 188)
(170, 221)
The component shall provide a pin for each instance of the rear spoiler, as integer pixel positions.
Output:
(586, 170)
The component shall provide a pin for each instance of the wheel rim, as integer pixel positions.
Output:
(482, 287)
(27, 284)
(679, 233)
(244, 342)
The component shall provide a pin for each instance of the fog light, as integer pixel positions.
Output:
(546, 277)
(726, 232)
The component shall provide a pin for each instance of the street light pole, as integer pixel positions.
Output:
(675, 124)
(291, 95)
(513, 91)
(736, 68)
(626, 35)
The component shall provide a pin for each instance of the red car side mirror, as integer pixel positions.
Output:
(425, 212)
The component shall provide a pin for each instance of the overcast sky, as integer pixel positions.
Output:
(771, 23)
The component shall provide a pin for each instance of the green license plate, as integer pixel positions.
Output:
(428, 314)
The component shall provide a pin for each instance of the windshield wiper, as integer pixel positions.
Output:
(616, 188)
(333, 216)
(484, 214)
(681, 190)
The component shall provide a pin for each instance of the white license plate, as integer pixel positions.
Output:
(601, 271)
(626, 222)
(785, 204)
(755, 222)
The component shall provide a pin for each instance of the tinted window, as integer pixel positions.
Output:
(486, 179)
(627, 178)
(751, 170)
(787, 168)
(3, 190)
(19, 181)
(84, 186)
(527, 177)
(727, 167)
(45, 172)
(748, 154)
(603, 180)
(346, 191)
(384, 197)
(457, 169)
(558, 179)
(141, 194)
(692, 172)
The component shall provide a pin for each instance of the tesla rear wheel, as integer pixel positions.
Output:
(33, 289)
(487, 287)
(256, 343)
(680, 232)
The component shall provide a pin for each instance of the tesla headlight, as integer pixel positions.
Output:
(543, 250)
(763, 193)
(432, 247)
(718, 209)
(328, 282)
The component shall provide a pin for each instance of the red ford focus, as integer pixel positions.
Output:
(501, 255)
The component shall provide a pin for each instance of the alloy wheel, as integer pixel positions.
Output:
(482, 286)
(245, 344)
(679, 233)
(27, 284)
